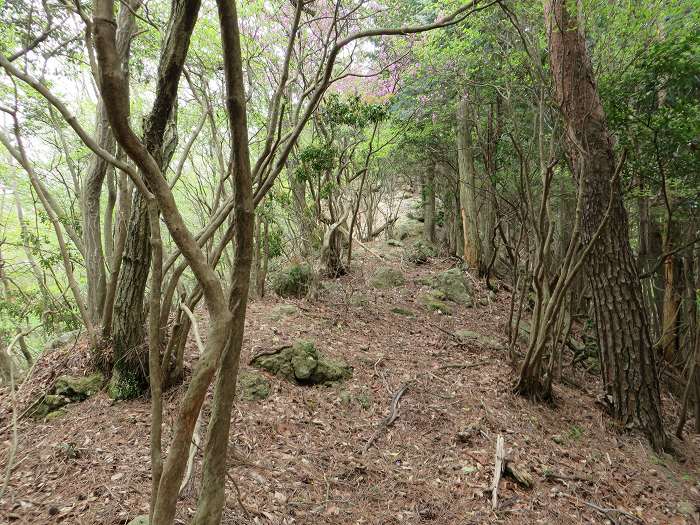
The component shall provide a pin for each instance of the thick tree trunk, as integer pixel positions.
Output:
(467, 185)
(130, 368)
(429, 205)
(627, 358)
(130, 374)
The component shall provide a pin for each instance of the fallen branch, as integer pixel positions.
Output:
(499, 467)
(274, 351)
(464, 365)
(605, 511)
(389, 420)
(362, 245)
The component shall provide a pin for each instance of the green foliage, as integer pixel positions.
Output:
(351, 111)
(316, 159)
(293, 281)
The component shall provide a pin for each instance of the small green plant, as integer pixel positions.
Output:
(576, 432)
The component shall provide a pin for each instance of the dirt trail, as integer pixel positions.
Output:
(298, 456)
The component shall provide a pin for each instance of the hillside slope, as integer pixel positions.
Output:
(313, 455)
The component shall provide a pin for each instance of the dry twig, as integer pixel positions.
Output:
(389, 420)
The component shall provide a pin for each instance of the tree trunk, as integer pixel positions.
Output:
(467, 185)
(212, 498)
(429, 205)
(92, 232)
(627, 358)
(130, 374)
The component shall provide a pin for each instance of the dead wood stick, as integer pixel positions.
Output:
(274, 351)
(606, 511)
(464, 365)
(389, 420)
(498, 470)
(362, 245)
(564, 477)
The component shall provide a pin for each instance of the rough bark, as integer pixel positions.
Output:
(627, 358)
(429, 205)
(467, 185)
(129, 312)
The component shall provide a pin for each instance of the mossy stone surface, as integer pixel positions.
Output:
(139, 520)
(283, 310)
(49, 404)
(78, 388)
(434, 301)
(407, 228)
(253, 386)
(293, 281)
(480, 339)
(420, 252)
(454, 285)
(386, 277)
(303, 364)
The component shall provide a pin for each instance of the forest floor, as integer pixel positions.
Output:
(299, 456)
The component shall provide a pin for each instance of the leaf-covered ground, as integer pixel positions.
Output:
(299, 456)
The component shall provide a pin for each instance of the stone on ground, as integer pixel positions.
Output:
(283, 310)
(406, 228)
(50, 404)
(303, 364)
(435, 301)
(482, 340)
(420, 252)
(63, 340)
(293, 281)
(386, 277)
(253, 386)
(453, 285)
(78, 388)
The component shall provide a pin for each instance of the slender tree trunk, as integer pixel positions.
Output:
(628, 366)
(92, 229)
(211, 501)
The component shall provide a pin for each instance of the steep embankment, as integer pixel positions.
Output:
(321, 454)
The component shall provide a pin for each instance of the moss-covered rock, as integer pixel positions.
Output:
(139, 520)
(283, 310)
(303, 364)
(420, 252)
(453, 285)
(253, 386)
(293, 281)
(48, 405)
(435, 301)
(63, 340)
(386, 277)
(78, 388)
(407, 228)
(466, 336)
